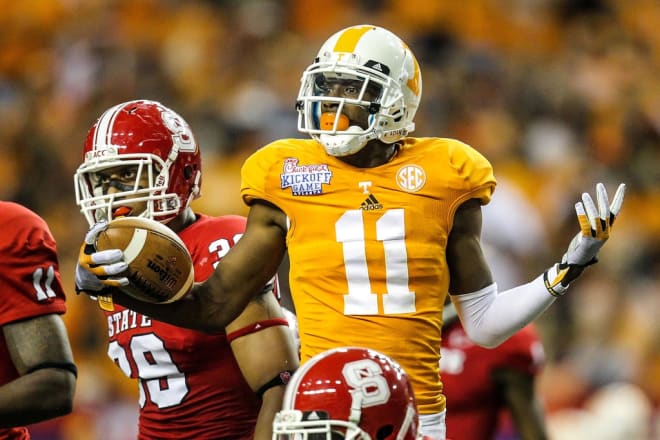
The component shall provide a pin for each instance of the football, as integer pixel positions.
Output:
(160, 269)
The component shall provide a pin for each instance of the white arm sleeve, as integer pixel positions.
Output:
(489, 318)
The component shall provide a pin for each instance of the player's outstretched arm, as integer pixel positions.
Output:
(490, 317)
(212, 305)
(246, 269)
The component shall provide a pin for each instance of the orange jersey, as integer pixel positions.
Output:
(367, 245)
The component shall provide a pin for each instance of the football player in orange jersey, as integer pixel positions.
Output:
(379, 226)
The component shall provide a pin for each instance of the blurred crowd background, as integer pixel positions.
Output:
(558, 94)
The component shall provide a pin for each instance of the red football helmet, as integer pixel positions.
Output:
(348, 393)
(160, 146)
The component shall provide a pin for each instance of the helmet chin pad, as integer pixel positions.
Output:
(344, 143)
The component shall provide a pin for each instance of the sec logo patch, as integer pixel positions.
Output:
(411, 178)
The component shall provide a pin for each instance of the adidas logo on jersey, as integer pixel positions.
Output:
(370, 204)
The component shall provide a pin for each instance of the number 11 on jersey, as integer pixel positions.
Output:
(391, 232)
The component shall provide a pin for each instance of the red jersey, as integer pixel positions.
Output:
(190, 385)
(30, 283)
(473, 403)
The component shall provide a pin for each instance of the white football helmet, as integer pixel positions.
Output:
(379, 61)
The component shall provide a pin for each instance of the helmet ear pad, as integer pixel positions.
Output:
(187, 172)
(193, 175)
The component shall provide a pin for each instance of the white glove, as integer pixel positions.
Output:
(98, 270)
(595, 227)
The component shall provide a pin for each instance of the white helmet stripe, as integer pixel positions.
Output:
(103, 133)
